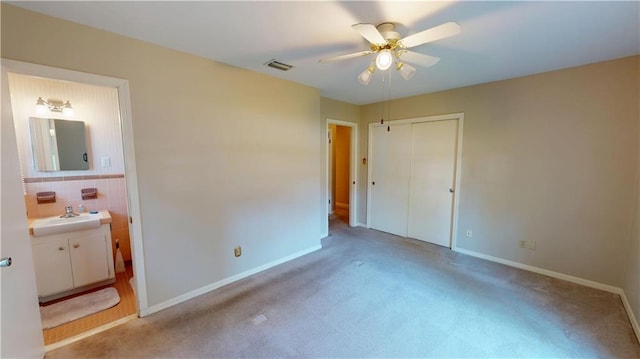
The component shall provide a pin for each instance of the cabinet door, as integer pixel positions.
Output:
(389, 183)
(89, 258)
(53, 266)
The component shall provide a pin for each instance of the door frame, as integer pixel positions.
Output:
(353, 169)
(457, 167)
(131, 177)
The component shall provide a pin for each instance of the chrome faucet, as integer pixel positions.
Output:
(68, 212)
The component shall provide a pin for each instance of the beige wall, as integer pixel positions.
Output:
(221, 160)
(632, 279)
(551, 158)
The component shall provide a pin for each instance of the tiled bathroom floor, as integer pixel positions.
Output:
(126, 307)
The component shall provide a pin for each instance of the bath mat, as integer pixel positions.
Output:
(75, 308)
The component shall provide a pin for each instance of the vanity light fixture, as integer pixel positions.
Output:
(54, 106)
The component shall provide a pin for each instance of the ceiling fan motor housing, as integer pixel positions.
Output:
(387, 30)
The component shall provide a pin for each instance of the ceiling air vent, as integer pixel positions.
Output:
(279, 65)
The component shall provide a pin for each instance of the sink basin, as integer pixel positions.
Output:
(53, 225)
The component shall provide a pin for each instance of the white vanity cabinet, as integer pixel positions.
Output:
(70, 262)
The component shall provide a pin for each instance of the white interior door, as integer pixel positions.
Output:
(389, 180)
(433, 159)
(20, 326)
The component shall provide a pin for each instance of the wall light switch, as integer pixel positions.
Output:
(105, 161)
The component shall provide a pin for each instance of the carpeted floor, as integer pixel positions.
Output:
(371, 294)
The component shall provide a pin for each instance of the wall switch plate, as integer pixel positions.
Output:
(106, 162)
(469, 233)
(237, 251)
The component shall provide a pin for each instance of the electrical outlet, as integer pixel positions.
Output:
(523, 244)
(469, 233)
(237, 251)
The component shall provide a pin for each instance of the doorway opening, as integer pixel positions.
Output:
(102, 104)
(342, 171)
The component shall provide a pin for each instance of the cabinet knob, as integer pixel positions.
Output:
(77, 245)
(61, 248)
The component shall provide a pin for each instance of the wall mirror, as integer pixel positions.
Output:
(58, 145)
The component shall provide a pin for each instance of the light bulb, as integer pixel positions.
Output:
(41, 106)
(406, 71)
(384, 60)
(366, 75)
(67, 109)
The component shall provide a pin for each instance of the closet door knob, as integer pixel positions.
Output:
(451, 190)
(373, 183)
(77, 245)
(61, 248)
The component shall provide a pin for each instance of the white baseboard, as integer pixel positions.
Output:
(632, 317)
(194, 293)
(568, 278)
(361, 225)
(324, 235)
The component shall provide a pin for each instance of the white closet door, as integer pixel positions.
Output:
(391, 154)
(433, 161)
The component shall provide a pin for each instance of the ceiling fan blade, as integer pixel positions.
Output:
(435, 33)
(347, 56)
(370, 33)
(417, 58)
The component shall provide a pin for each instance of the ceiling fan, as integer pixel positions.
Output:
(386, 42)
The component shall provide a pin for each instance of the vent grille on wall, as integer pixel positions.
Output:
(279, 65)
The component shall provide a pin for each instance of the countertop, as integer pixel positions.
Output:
(105, 217)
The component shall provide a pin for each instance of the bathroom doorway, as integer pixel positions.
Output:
(103, 105)
(342, 170)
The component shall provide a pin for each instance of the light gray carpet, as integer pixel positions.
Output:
(370, 294)
(78, 307)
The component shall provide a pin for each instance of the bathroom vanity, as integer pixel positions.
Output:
(71, 255)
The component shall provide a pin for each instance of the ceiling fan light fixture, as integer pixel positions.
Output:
(366, 75)
(384, 60)
(406, 71)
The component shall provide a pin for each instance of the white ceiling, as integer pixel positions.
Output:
(499, 40)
